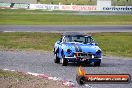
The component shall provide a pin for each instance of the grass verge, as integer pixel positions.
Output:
(37, 17)
(115, 43)
(19, 80)
(23, 40)
(111, 43)
(15, 75)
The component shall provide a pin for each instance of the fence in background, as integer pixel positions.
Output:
(66, 7)
(14, 5)
(20, 1)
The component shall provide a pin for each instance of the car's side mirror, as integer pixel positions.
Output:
(58, 42)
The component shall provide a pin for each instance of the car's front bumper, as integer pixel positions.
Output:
(73, 59)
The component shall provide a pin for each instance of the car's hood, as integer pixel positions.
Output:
(81, 47)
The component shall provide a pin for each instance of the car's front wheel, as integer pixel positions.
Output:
(64, 62)
(97, 63)
(57, 59)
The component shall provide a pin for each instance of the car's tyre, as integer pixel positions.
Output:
(97, 63)
(64, 62)
(57, 59)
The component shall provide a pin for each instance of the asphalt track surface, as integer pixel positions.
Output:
(40, 28)
(42, 62)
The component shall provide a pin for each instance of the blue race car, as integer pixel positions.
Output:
(77, 47)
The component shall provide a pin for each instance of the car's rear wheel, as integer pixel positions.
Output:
(97, 63)
(64, 62)
(57, 59)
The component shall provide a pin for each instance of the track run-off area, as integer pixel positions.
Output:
(42, 62)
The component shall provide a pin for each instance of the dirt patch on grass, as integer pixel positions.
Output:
(19, 80)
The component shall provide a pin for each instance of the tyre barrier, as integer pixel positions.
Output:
(14, 5)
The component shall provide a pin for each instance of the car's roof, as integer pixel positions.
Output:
(74, 34)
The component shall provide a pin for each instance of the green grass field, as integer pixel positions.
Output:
(24, 17)
(21, 40)
(115, 43)
(111, 43)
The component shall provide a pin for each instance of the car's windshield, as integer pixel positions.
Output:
(80, 39)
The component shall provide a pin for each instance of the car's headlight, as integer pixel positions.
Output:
(98, 52)
(92, 56)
